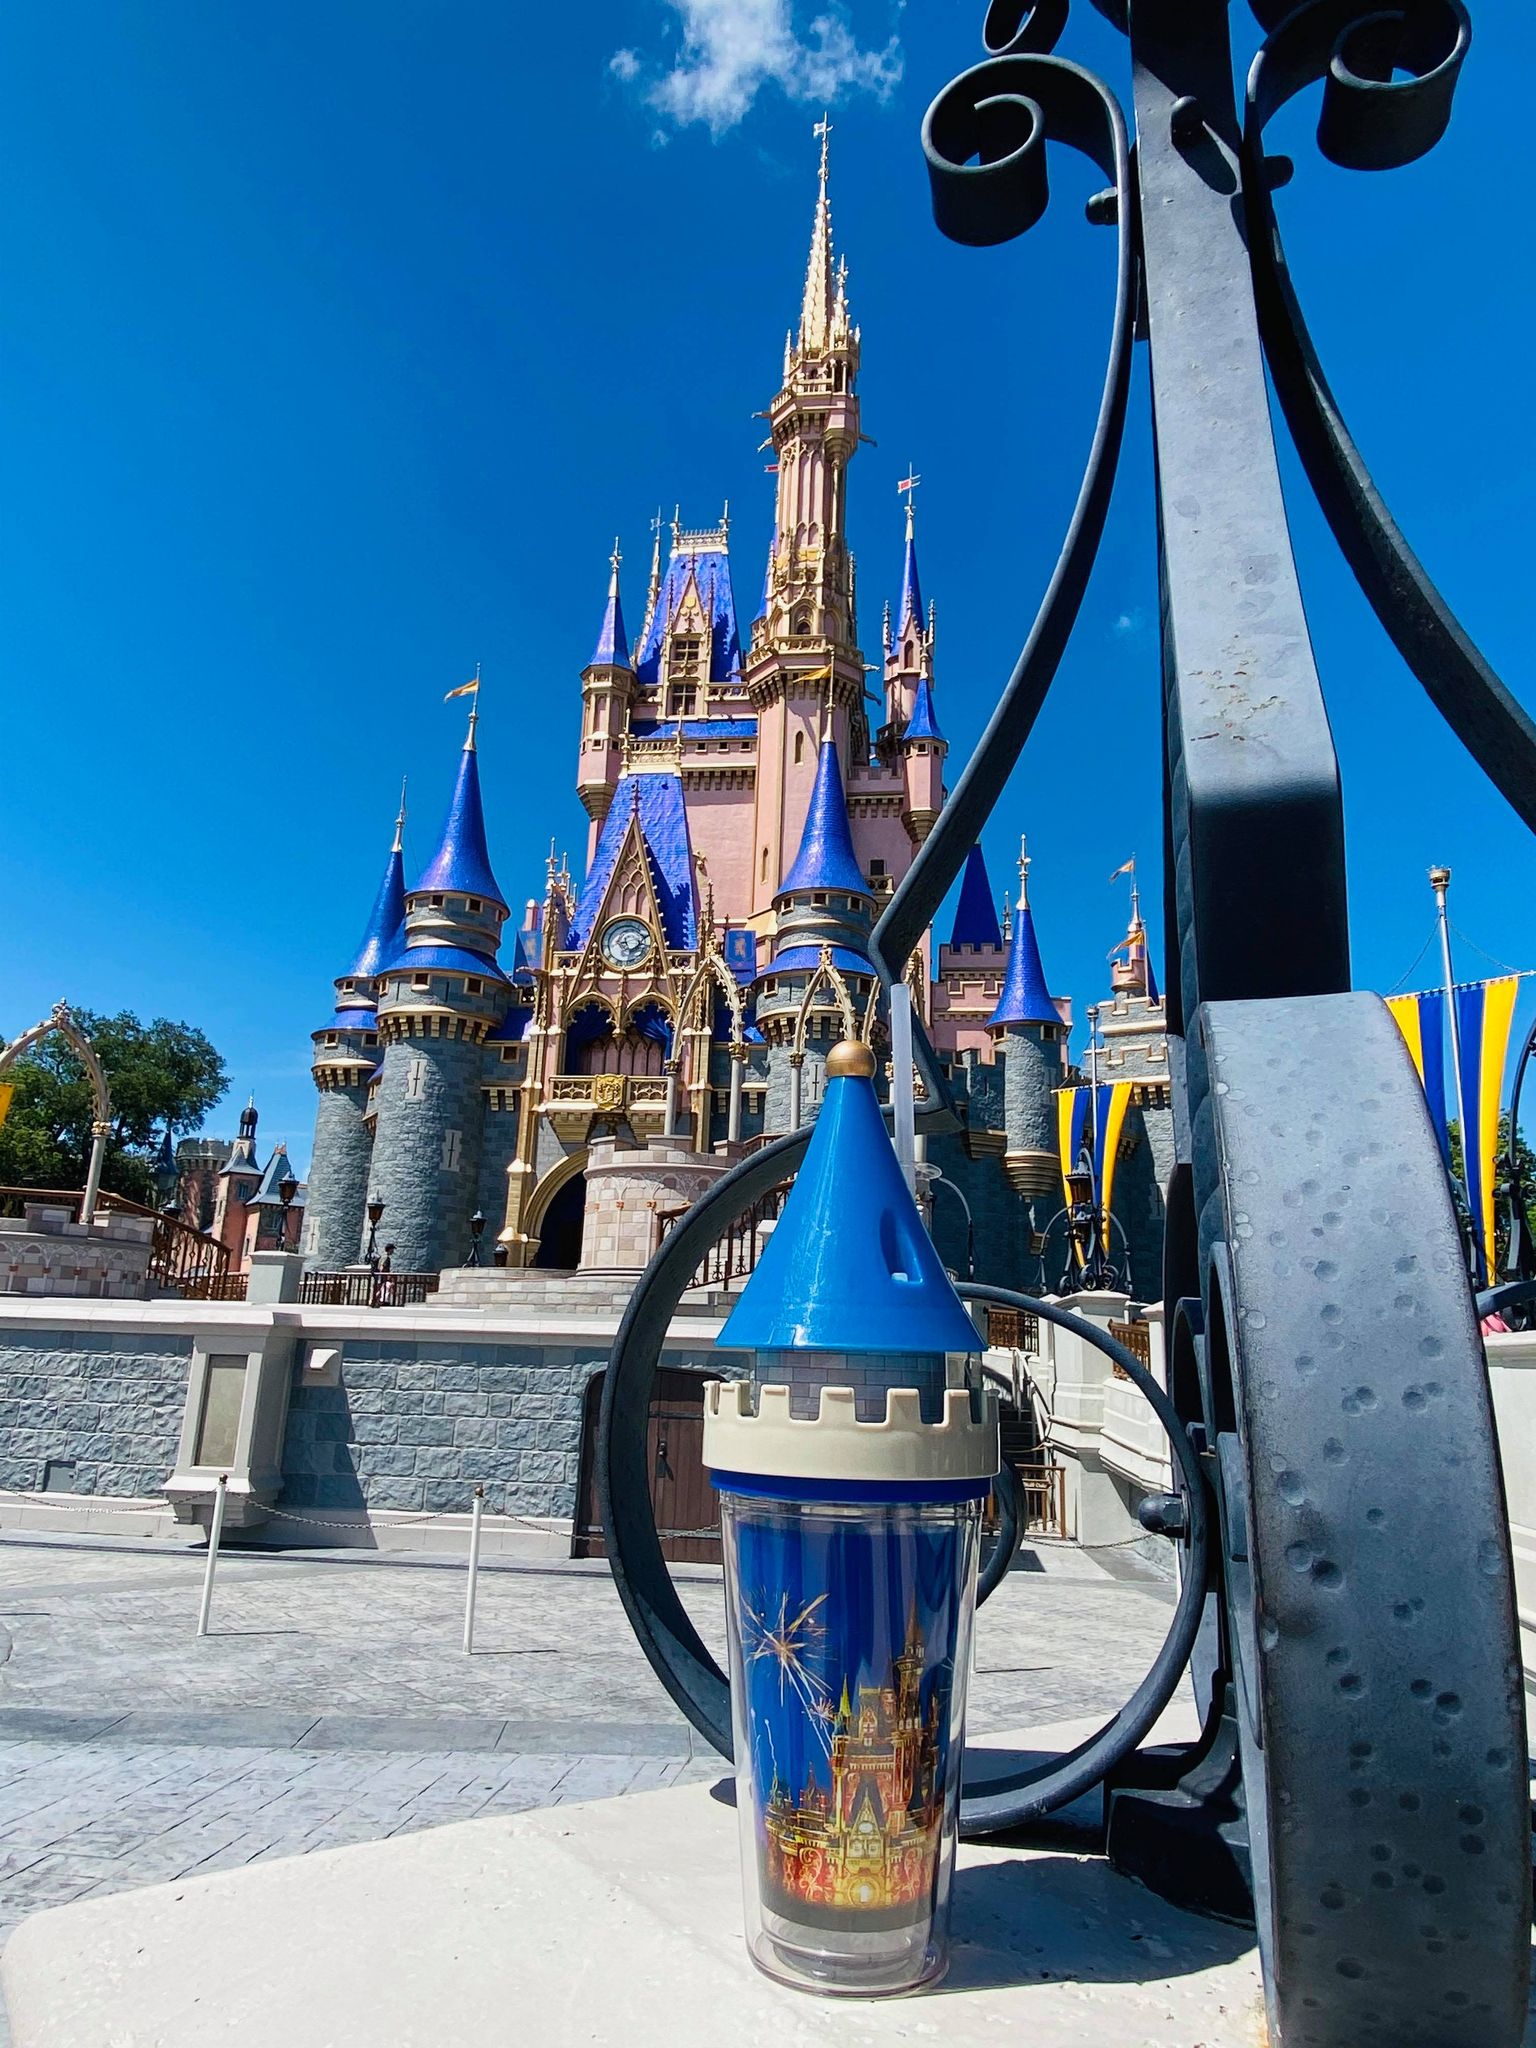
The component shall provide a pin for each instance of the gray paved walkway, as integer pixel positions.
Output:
(333, 1703)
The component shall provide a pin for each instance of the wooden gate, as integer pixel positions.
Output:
(682, 1498)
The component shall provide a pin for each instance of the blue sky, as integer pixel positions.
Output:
(339, 340)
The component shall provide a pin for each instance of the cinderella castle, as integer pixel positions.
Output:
(551, 1083)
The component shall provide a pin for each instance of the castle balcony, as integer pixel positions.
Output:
(573, 1100)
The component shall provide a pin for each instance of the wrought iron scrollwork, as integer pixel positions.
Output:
(1374, 119)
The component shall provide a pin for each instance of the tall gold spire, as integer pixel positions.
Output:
(400, 821)
(822, 290)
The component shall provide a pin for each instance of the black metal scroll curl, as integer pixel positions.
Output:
(1373, 120)
(1014, 27)
(1007, 110)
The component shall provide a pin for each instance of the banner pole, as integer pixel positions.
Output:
(1440, 882)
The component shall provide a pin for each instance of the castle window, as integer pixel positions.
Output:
(475, 903)
(765, 863)
(473, 987)
(818, 899)
(453, 1144)
(416, 1080)
(799, 747)
(330, 1038)
(370, 1038)
(436, 902)
(421, 981)
(876, 867)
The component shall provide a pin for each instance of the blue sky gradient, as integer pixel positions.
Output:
(339, 340)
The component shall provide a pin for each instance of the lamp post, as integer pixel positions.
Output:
(476, 1230)
(375, 1217)
(851, 1469)
(287, 1188)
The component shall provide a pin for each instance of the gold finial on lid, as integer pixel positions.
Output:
(850, 1057)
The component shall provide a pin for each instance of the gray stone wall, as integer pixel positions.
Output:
(416, 1424)
(1031, 1076)
(338, 1179)
(871, 1375)
(498, 1148)
(1001, 1218)
(427, 1201)
(1138, 1197)
(111, 1401)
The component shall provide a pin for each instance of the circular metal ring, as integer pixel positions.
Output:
(668, 1637)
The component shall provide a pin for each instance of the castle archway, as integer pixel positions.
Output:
(555, 1212)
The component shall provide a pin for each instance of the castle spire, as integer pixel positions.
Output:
(821, 292)
(653, 587)
(909, 612)
(1026, 996)
(462, 862)
(612, 649)
(382, 941)
(976, 913)
(826, 859)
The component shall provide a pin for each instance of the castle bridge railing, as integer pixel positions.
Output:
(734, 1256)
(182, 1260)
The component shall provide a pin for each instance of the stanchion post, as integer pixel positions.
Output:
(474, 1570)
(215, 1534)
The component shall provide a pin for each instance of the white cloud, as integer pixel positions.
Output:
(732, 49)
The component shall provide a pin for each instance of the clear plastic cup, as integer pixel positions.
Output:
(850, 1646)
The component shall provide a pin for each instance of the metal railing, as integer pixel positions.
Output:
(365, 1289)
(1045, 1494)
(1137, 1339)
(734, 1256)
(1011, 1329)
(215, 1286)
(181, 1258)
(186, 1259)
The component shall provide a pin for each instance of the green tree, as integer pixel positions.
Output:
(158, 1075)
(1525, 1160)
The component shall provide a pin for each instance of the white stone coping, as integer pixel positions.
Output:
(614, 1922)
(223, 1319)
(834, 1444)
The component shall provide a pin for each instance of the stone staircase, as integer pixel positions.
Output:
(507, 1290)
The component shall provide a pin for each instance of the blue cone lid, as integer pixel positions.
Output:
(850, 1266)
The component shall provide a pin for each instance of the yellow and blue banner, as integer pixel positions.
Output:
(1421, 1020)
(1108, 1122)
(1071, 1129)
(1484, 1013)
(1102, 1137)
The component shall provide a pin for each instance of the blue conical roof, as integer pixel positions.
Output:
(976, 914)
(462, 862)
(826, 859)
(849, 1266)
(1026, 999)
(386, 922)
(911, 605)
(612, 649)
(924, 722)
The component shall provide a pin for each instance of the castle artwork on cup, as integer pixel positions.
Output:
(850, 1746)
